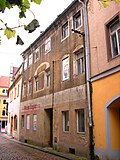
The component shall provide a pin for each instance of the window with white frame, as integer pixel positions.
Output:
(114, 30)
(48, 45)
(30, 59)
(36, 54)
(65, 121)
(65, 69)
(65, 30)
(30, 87)
(80, 120)
(25, 64)
(36, 83)
(47, 78)
(77, 20)
(34, 122)
(80, 64)
(28, 121)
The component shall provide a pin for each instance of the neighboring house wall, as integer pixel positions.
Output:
(104, 31)
(14, 105)
(4, 85)
(54, 103)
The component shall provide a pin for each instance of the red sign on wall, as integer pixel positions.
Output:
(31, 107)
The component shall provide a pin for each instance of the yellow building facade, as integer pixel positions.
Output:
(104, 33)
(4, 85)
(106, 115)
(3, 109)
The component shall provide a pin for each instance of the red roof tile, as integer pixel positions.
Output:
(4, 81)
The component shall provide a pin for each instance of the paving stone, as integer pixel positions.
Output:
(10, 150)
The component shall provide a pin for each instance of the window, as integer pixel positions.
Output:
(30, 87)
(22, 121)
(80, 121)
(65, 69)
(36, 54)
(15, 122)
(77, 20)
(65, 121)
(15, 90)
(65, 31)
(34, 122)
(80, 66)
(11, 96)
(25, 64)
(28, 121)
(3, 91)
(30, 59)
(3, 124)
(4, 101)
(114, 30)
(36, 83)
(47, 78)
(48, 45)
(3, 112)
(24, 89)
(18, 90)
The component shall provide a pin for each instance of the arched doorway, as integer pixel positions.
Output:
(112, 110)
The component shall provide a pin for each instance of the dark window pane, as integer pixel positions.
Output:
(114, 45)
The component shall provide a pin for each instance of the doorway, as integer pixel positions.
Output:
(11, 126)
(48, 126)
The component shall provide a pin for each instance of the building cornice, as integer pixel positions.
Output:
(105, 73)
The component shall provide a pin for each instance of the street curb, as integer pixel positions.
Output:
(46, 150)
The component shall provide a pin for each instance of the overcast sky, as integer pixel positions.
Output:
(46, 13)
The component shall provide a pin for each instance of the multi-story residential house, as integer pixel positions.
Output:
(104, 32)
(14, 93)
(4, 85)
(53, 101)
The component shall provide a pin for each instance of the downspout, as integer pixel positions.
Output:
(53, 69)
(88, 73)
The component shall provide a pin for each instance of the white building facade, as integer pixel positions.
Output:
(14, 105)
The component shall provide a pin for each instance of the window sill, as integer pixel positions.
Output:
(113, 58)
(78, 28)
(66, 132)
(64, 38)
(81, 133)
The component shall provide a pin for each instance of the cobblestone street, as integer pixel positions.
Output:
(10, 150)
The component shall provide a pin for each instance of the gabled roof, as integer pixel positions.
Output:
(4, 81)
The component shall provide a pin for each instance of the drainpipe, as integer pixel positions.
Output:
(88, 71)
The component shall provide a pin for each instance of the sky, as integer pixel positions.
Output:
(45, 13)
